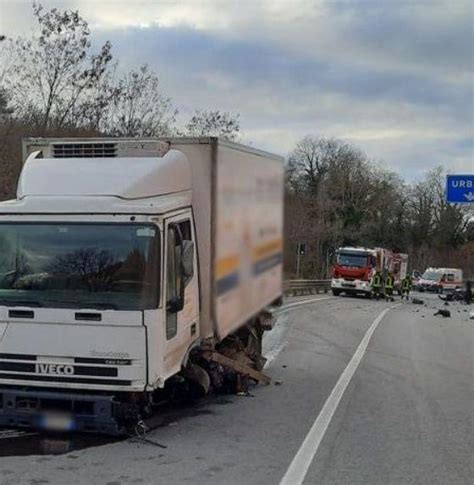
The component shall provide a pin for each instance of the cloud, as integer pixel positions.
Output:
(396, 78)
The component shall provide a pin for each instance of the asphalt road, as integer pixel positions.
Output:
(398, 411)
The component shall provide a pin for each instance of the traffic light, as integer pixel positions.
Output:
(301, 249)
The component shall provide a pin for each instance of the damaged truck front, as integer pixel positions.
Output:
(125, 264)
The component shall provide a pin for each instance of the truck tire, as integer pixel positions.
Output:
(336, 292)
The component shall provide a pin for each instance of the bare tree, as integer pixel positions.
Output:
(438, 228)
(338, 197)
(5, 110)
(54, 84)
(214, 123)
(308, 162)
(138, 108)
(93, 266)
(6, 58)
(54, 72)
(332, 177)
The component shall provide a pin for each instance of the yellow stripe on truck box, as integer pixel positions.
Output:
(267, 249)
(226, 266)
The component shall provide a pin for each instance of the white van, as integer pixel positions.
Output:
(440, 279)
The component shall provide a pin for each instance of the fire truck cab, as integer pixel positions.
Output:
(353, 271)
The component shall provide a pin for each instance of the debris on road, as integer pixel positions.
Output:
(278, 383)
(471, 315)
(417, 301)
(241, 368)
(141, 431)
(443, 313)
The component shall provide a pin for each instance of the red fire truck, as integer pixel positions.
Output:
(354, 269)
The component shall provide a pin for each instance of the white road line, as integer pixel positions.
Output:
(303, 302)
(10, 434)
(298, 468)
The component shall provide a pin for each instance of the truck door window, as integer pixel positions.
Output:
(185, 228)
(177, 232)
(172, 282)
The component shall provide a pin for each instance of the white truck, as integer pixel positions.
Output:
(125, 263)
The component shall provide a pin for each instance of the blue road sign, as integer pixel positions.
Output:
(460, 188)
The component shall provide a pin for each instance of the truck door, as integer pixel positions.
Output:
(181, 291)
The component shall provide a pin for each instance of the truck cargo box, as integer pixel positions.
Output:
(238, 204)
(237, 199)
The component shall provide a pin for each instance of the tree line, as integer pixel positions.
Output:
(55, 84)
(337, 197)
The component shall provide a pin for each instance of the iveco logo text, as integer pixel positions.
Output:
(58, 369)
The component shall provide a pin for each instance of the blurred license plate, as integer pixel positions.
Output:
(349, 285)
(57, 422)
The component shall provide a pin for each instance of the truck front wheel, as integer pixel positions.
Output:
(336, 292)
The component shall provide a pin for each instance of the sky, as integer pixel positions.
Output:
(394, 77)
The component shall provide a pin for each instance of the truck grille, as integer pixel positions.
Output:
(85, 150)
(22, 367)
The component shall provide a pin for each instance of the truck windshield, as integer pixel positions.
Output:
(84, 265)
(352, 259)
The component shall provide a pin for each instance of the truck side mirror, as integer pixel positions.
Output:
(182, 268)
(175, 304)
(176, 283)
(187, 260)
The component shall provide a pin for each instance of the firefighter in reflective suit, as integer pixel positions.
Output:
(389, 281)
(377, 285)
(406, 286)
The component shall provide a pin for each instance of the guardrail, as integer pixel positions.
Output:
(306, 287)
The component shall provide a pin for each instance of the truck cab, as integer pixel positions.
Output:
(353, 270)
(85, 303)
